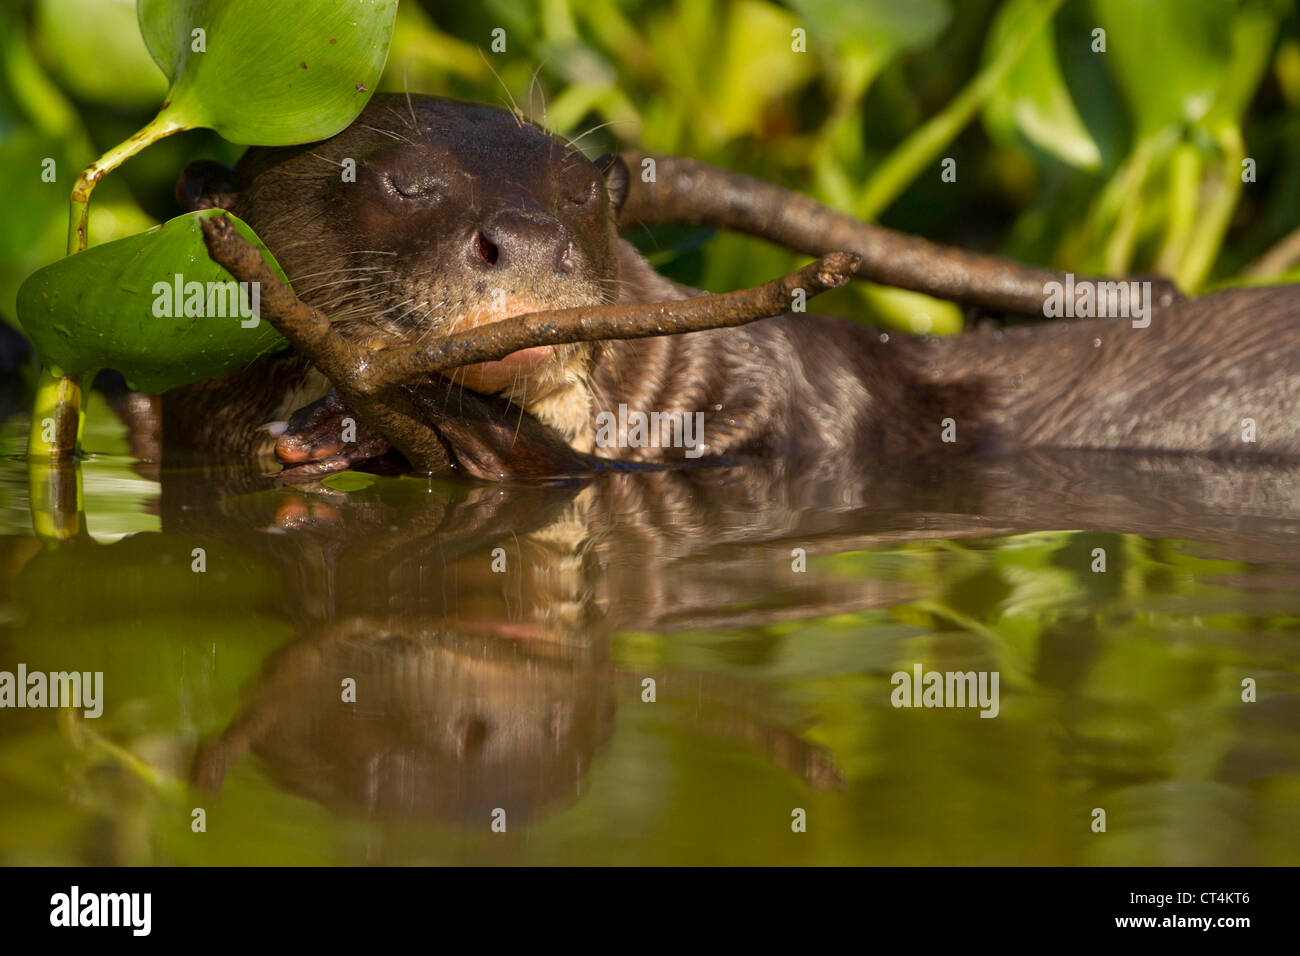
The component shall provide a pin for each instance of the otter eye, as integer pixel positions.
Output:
(589, 194)
(424, 187)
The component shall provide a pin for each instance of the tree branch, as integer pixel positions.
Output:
(369, 380)
(694, 193)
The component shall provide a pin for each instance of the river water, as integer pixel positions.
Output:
(694, 667)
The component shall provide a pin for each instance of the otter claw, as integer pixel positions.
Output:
(313, 442)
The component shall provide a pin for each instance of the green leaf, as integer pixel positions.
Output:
(1254, 30)
(97, 310)
(1168, 56)
(754, 68)
(1033, 99)
(349, 481)
(270, 72)
(1091, 83)
(912, 312)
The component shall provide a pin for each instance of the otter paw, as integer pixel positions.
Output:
(324, 437)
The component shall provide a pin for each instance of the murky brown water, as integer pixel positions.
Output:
(498, 641)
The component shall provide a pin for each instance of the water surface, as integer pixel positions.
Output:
(770, 611)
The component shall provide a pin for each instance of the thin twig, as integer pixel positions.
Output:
(368, 380)
(594, 323)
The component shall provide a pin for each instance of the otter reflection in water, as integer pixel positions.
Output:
(476, 625)
(478, 689)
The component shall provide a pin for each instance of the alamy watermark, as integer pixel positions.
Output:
(231, 299)
(635, 429)
(84, 689)
(1094, 299)
(75, 908)
(921, 688)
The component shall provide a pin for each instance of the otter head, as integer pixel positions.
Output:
(428, 216)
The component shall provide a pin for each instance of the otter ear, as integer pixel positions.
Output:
(617, 178)
(207, 184)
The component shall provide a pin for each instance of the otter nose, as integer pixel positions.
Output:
(523, 240)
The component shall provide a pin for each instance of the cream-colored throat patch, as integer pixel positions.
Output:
(558, 394)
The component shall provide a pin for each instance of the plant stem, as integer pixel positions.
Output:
(1118, 253)
(1184, 200)
(1108, 207)
(58, 399)
(56, 415)
(55, 496)
(54, 481)
(1206, 241)
(78, 732)
(159, 127)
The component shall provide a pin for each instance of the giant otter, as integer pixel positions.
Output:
(462, 213)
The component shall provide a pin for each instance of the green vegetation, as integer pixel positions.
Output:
(1121, 689)
(1125, 160)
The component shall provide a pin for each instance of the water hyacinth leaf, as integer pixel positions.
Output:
(1091, 83)
(349, 481)
(1033, 99)
(268, 72)
(1168, 56)
(97, 309)
(1254, 30)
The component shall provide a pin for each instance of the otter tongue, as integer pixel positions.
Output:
(502, 373)
(490, 377)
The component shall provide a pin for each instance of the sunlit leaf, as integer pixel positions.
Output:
(1254, 29)
(349, 481)
(98, 309)
(270, 72)
(756, 67)
(1033, 99)
(1168, 56)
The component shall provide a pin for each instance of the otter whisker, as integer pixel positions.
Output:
(325, 285)
(392, 308)
(324, 159)
(397, 322)
(389, 133)
(415, 123)
(573, 143)
(522, 403)
(531, 84)
(514, 107)
(333, 272)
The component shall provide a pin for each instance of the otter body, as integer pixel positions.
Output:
(461, 214)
